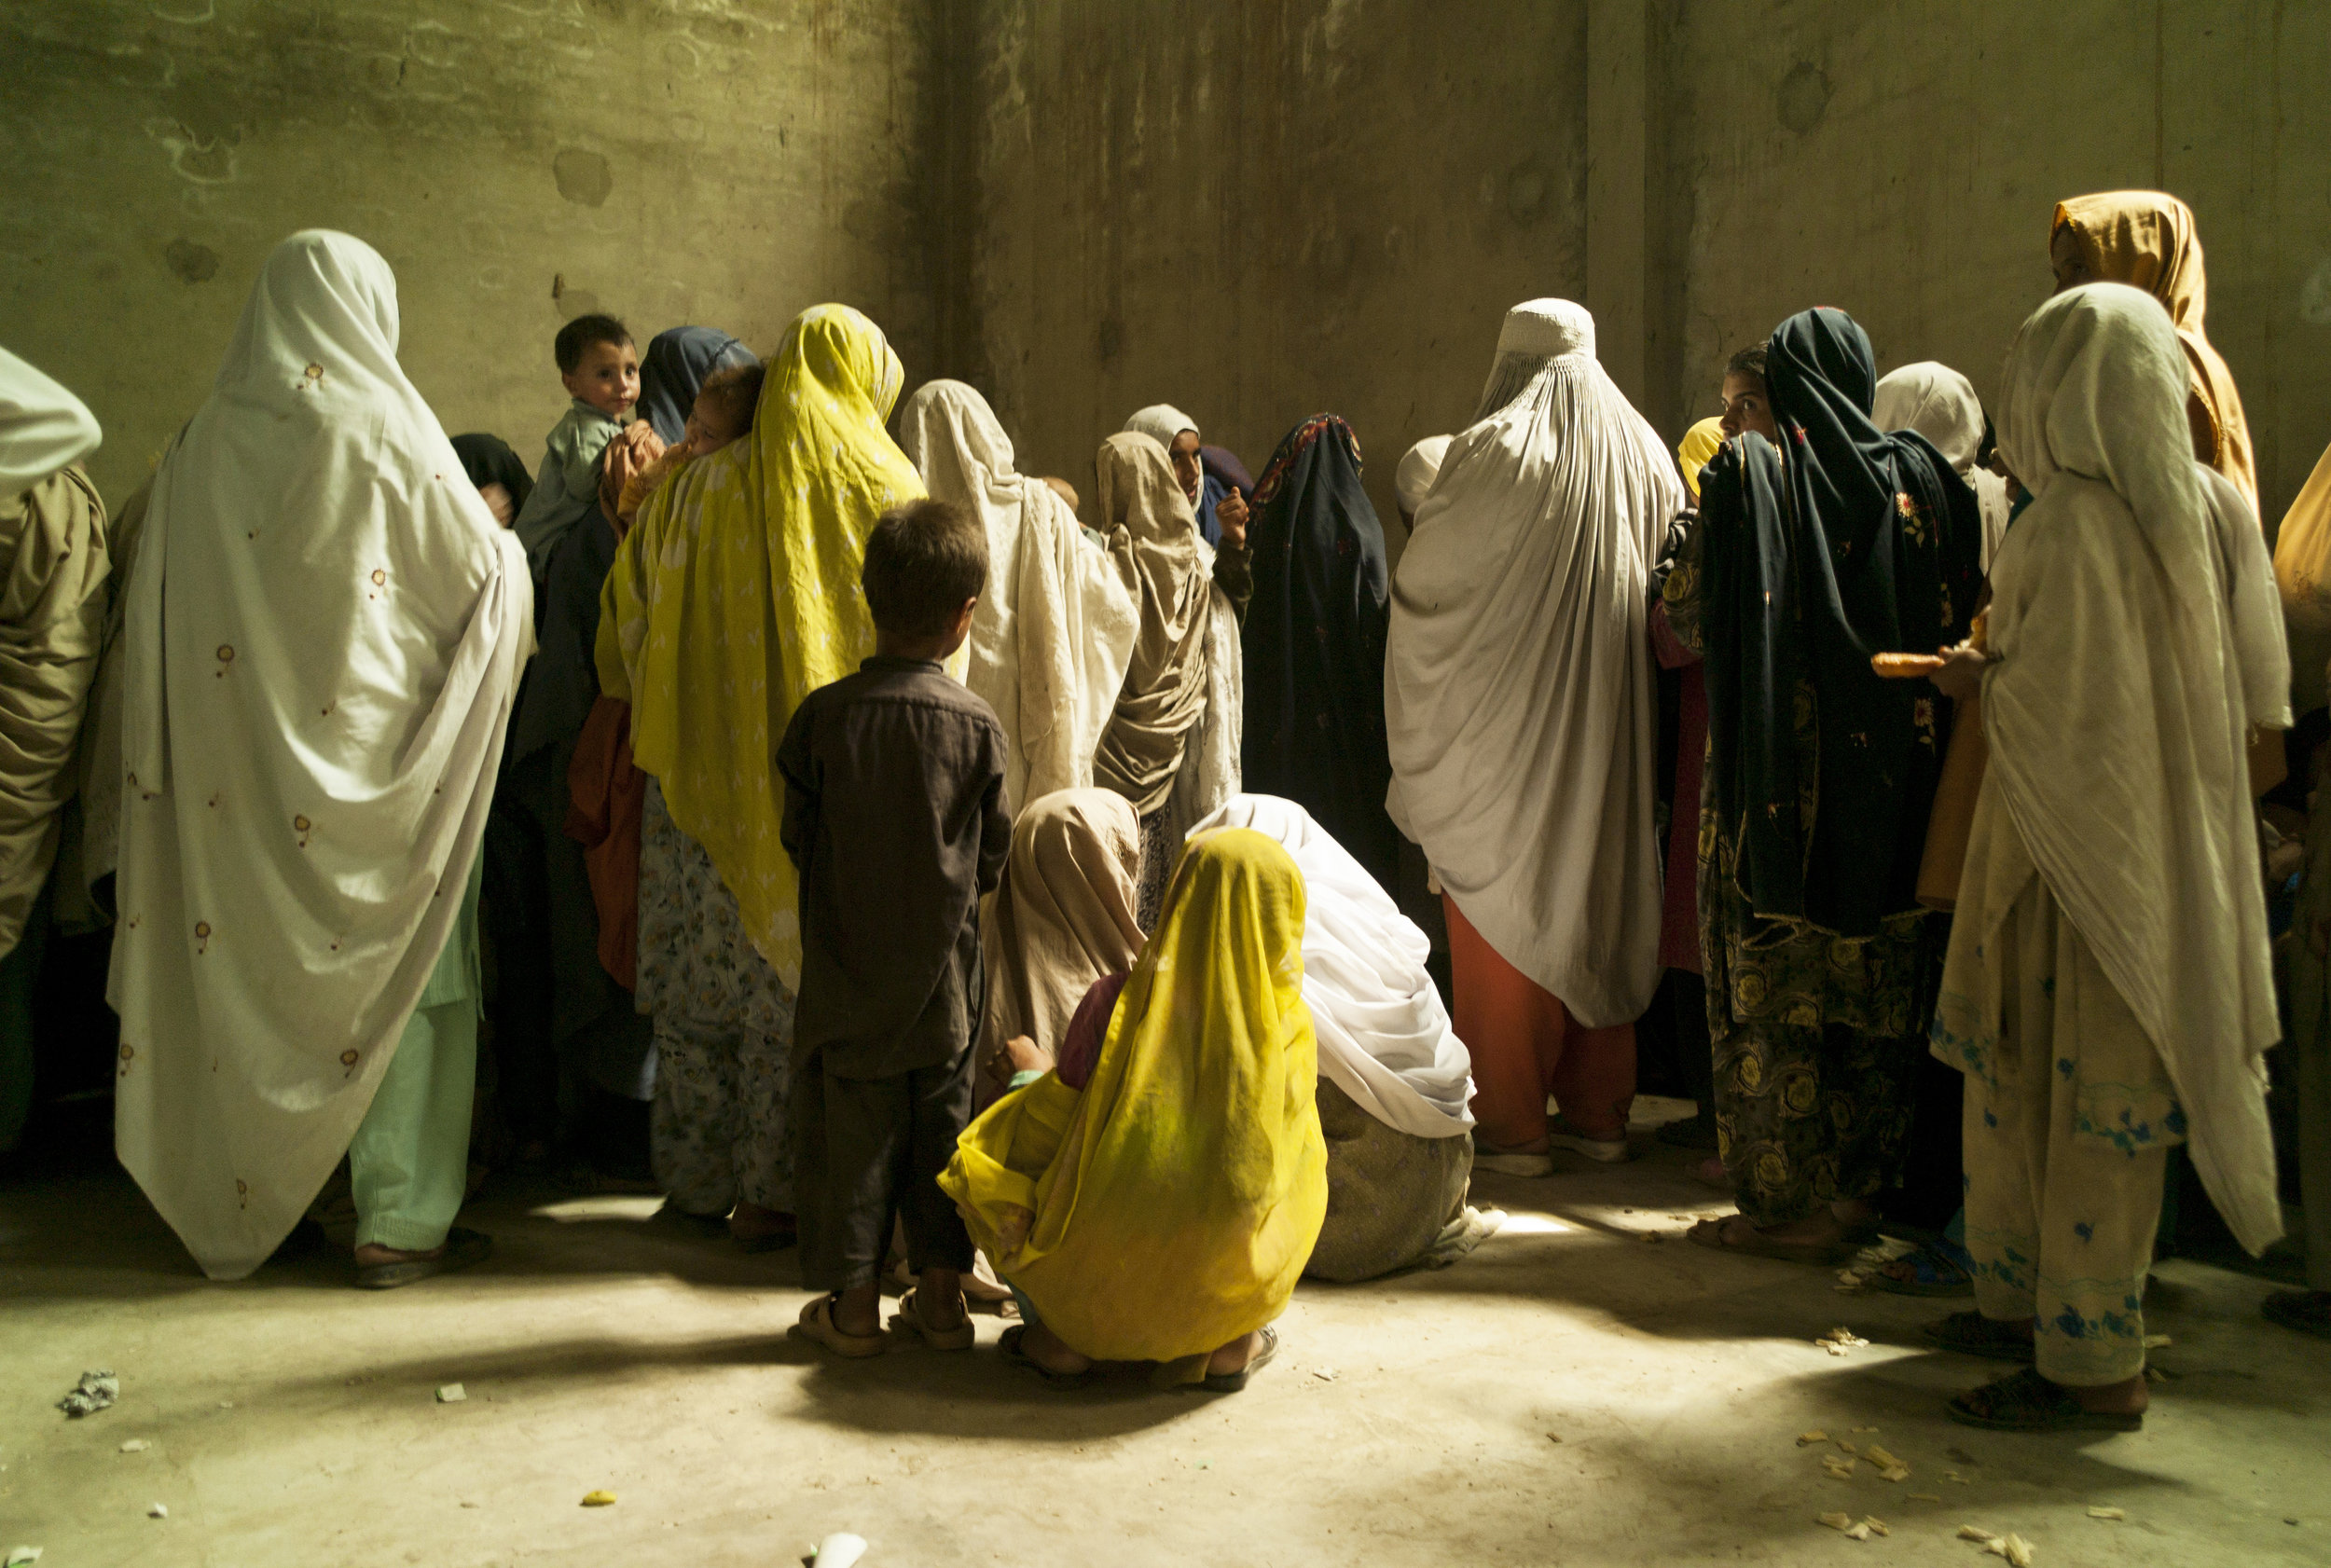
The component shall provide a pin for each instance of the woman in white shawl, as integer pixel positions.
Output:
(53, 572)
(2108, 991)
(1934, 401)
(323, 632)
(1394, 1079)
(1054, 631)
(1521, 702)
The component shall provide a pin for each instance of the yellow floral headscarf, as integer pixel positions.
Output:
(1176, 1198)
(735, 595)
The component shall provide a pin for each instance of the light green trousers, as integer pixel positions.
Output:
(409, 1165)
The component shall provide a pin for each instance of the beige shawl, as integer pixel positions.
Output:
(53, 570)
(1056, 623)
(1063, 916)
(2133, 626)
(1165, 693)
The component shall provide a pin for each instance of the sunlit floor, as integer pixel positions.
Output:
(1587, 1388)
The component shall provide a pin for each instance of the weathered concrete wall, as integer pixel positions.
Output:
(1258, 212)
(1257, 209)
(1903, 161)
(725, 161)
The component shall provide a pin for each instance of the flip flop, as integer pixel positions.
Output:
(461, 1249)
(1711, 1233)
(816, 1324)
(2308, 1312)
(1233, 1383)
(1010, 1345)
(909, 1319)
(2024, 1401)
(1937, 1271)
(1970, 1333)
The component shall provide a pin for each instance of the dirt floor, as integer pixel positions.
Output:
(1587, 1388)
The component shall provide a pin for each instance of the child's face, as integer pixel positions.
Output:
(1746, 406)
(709, 429)
(608, 378)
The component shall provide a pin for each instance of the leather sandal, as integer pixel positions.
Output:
(909, 1319)
(2024, 1401)
(816, 1324)
(461, 1249)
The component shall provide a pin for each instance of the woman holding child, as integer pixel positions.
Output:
(734, 596)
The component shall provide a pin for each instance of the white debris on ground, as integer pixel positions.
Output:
(451, 1393)
(93, 1393)
(1837, 1341)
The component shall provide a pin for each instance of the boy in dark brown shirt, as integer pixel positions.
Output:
(895, 817)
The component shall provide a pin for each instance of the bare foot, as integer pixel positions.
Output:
(1042, 1346)
(373, 1252)
(939, 1300)
(1234, 1356)
(859, 1309)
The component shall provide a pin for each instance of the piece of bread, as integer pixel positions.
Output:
(1905, 667)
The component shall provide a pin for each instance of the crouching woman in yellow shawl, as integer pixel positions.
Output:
(1155, 1195)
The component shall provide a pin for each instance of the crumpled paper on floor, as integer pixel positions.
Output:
(93, 1393)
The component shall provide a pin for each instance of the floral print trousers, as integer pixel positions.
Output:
(2069, 1117)
(723, 1031)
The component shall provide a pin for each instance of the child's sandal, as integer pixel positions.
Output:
(817, 1326)
(962, 1337)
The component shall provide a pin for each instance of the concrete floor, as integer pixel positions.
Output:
(1587, 1388)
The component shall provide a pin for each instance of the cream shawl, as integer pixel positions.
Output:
(1062, 917)
(2133, 621)
(323, 632)
(1055, 624)
(1938, 402)
(1519, 693)
(1384, 1038)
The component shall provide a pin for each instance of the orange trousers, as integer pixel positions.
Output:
(1525, 1048)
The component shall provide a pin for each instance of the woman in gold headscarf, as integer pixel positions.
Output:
(733, 597)
(2148, 240)
(1155, 1193)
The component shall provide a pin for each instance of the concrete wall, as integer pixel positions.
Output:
(1258, 212)
(1903, 161)
(1255, 209)
(667, 160)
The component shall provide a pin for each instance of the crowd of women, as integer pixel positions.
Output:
(1859, 736)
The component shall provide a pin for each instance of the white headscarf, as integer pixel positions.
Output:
(2133, 622)
(1055, 624)
(1163, 423)
(323, 632)
(1384, 1038)
(1940, 404)
(1519, 695)
(1412, 480)
(43, 427)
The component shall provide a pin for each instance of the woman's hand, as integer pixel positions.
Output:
(1961, 677)
(1230, 516)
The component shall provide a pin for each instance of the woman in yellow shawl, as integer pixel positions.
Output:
(1154, 1196)
(733, 597)
(2147, 240)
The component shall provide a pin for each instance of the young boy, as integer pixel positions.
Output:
(895, 816)
(722, 413)
(601, 367)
